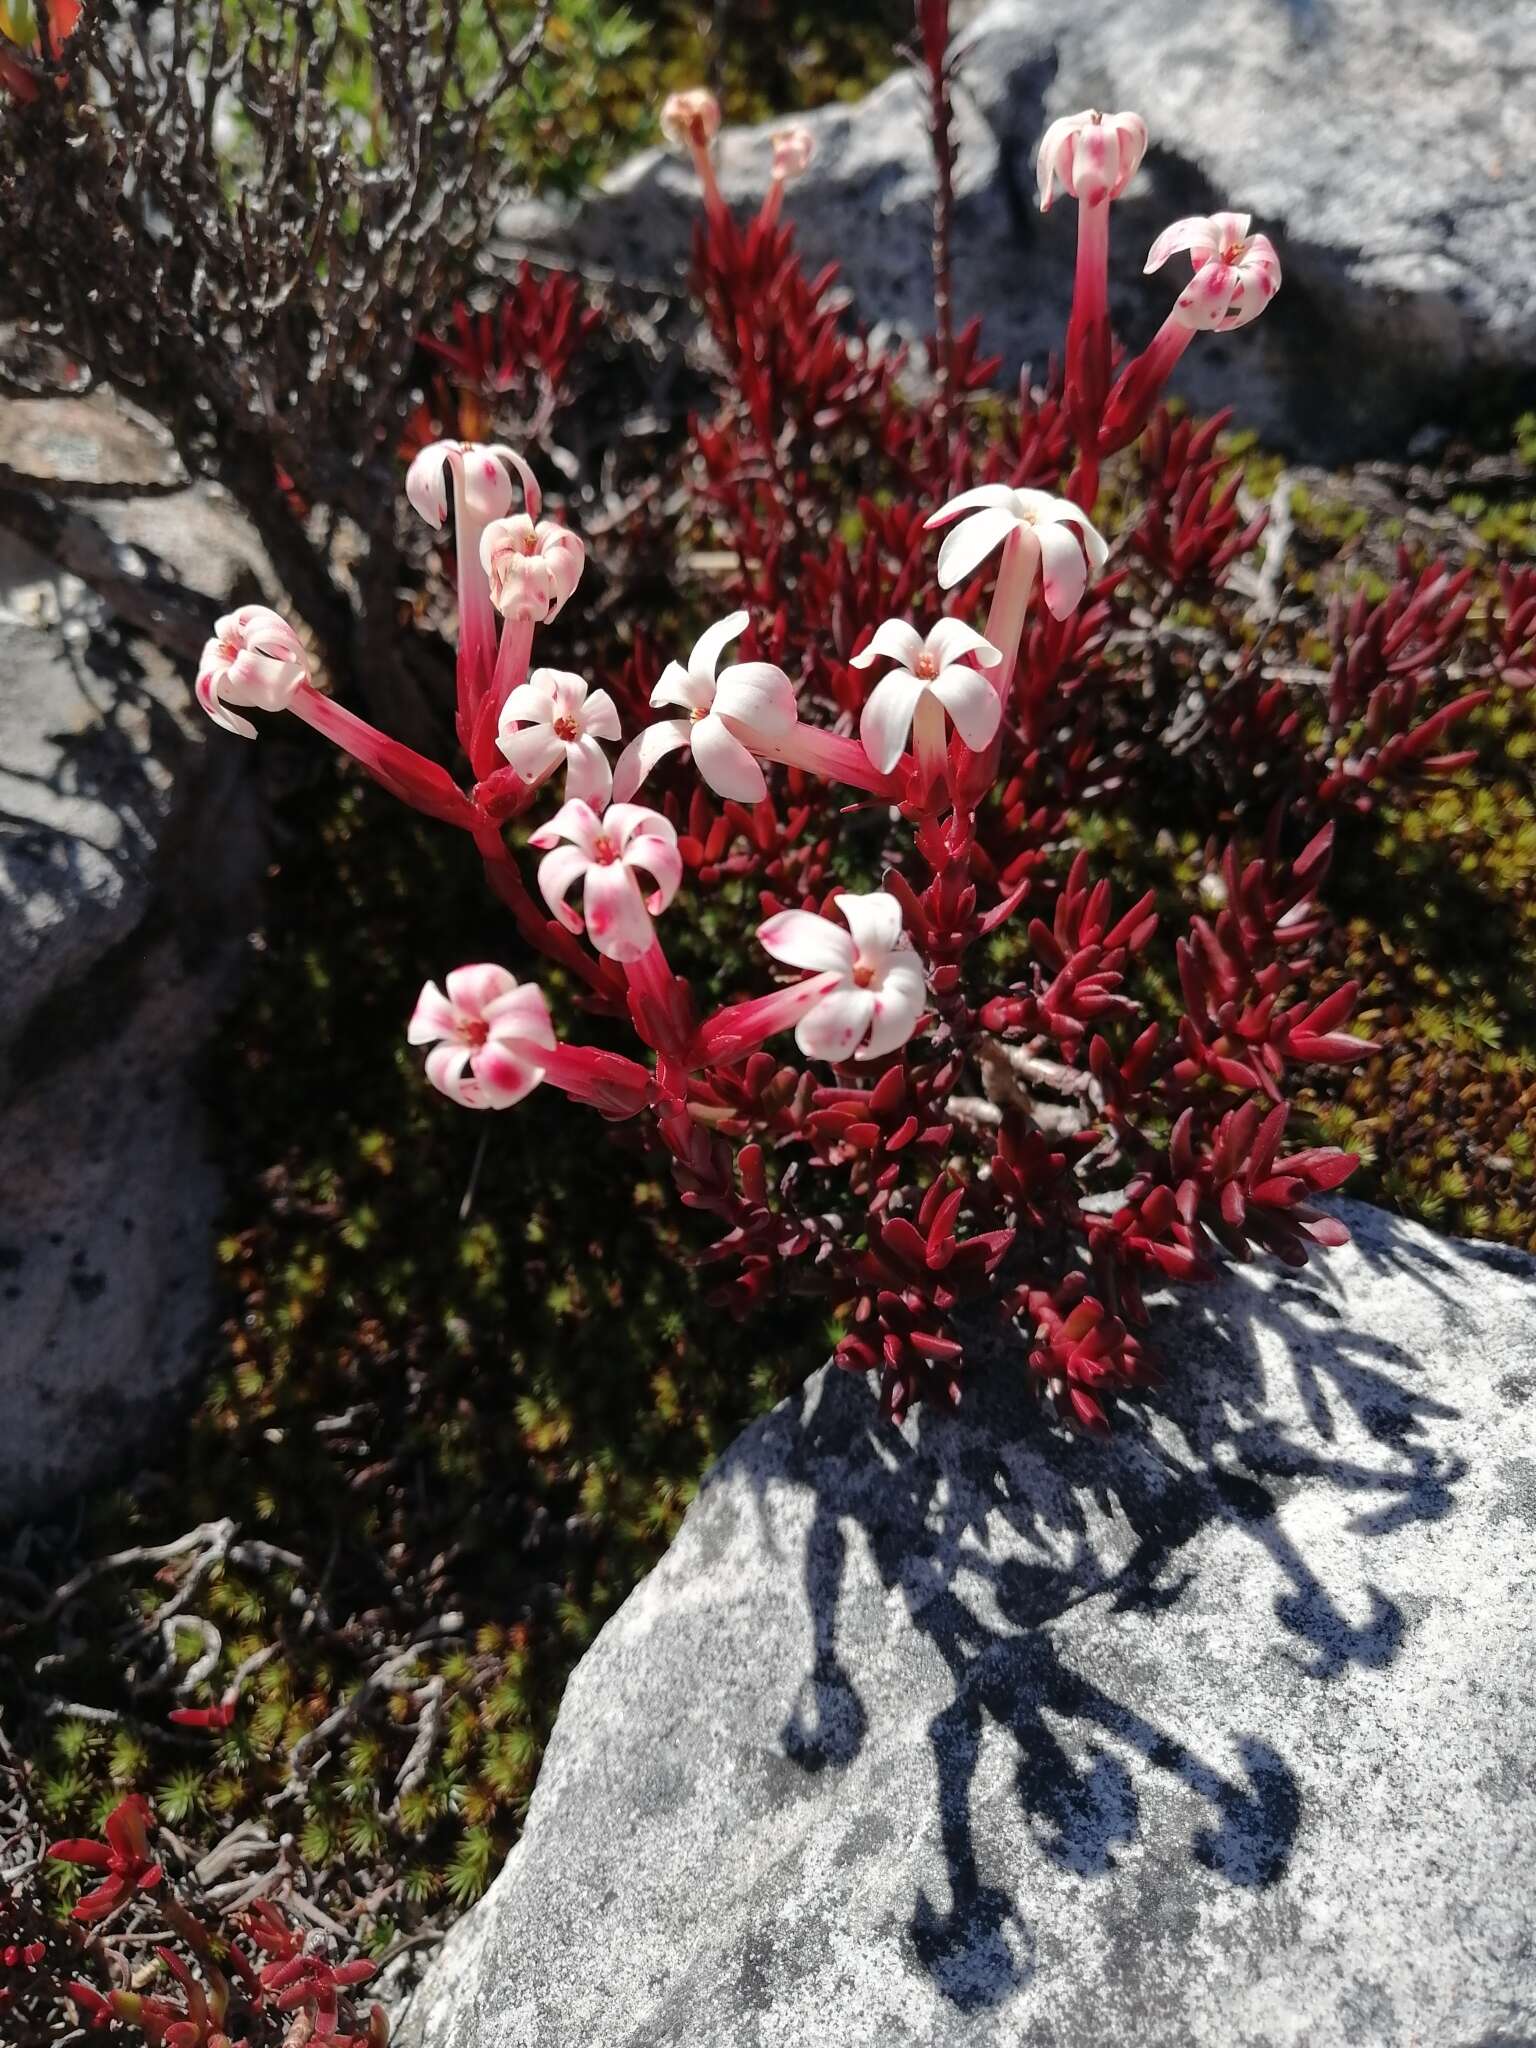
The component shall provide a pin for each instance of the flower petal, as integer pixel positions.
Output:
(645, 750)
(952, 639)
(678, 687)
(219, 712)
(833, 1029)
(617, 923)
(533, 751)
(471, 988)
(801, 939)
(982, 497)
(974, 707)
(600, 715)
(533, 702)
(1194, 232)
(758, 695)
(575, 820)
(895, 639)
(447, 1070)
(886, 719)
(1066, 573)
(434, 1017)
(968, 546)
(709, 646)
(522, 1013)
(587, 773)
(426, 481)
(725, 764)
(558, 871)
(505, 1073)
(900, 996)
(875, 922)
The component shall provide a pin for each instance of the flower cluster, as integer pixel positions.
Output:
(942, 1054)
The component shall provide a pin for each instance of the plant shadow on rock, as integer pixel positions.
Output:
(932, 1517)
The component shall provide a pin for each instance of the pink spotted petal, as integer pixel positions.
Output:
(1194, 233)
(616, 918)
(505, 1074)
(471, 988)
(833, 1029)
(558, 873)
(899, 1000)
(1066, 572)
(448, 1071)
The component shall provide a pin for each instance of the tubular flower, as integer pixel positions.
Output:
(255, 657)
(874, 987)
(794, 149)
(533, 569)
(751, 701)
(606, 853)
(691, 119)
(486, 1033)
(123, 1857)
(1057, 536)
(1236, 274)
(933, 678)
(554, 717)
(1091, 156)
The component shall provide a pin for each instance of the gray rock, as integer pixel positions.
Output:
(131, 846)
(965, 1733)
(1388, 145)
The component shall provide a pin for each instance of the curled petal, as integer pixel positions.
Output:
(677, 686)
(471, 988)
(434, 1017)
(521, 1013)
(874, 919)
(710, 645)
(218, 711)
(645, 750)
(558, 873)
(1207, 298)
(1194, 233)
(970, 543)
(801, 939)
(725, 763)
(974, 707)
(896, 640)
(602, 716)
(886, 720)
(426, 481)
(900, 996)
(576, 821)
(757, 694)
(534, 751)
(506, 1073)
(1066, 572)
(587, 773)
(951, 640)
(448, 1071)
(982, 498)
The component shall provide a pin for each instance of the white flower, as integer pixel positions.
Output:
(793, 151)
(533, 569)
(607, 852)
(255, 657)
(1058, 536)
(935, 668)
(1236, 274)
(485, 1034)
(1092, 156)
(553, 717)
(875, 988)
(725, 714)
(691, 119)
(482, 483)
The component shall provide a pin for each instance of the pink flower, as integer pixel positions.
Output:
(533, 569)
(482, 484)
(752, 700)
(1092, 156)
(1058, 536)
(606, 853)
(553, 717)
(874, 987)
(486, 1033)
(255, 657)
(933, 669)
(1236, 274)
(793, 151)
(691, 119)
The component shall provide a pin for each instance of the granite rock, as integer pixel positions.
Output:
(131, 847)
(1388, 145)
(966, 1733)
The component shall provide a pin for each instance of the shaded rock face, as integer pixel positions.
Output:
(1389, 146)
(130, 850)
(964, 1733)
